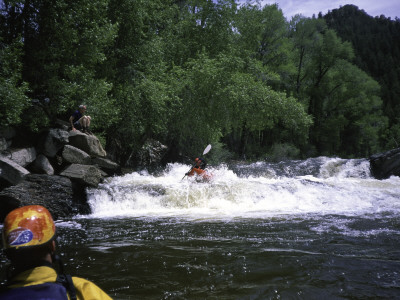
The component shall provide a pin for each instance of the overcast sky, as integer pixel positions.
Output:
(389, 8)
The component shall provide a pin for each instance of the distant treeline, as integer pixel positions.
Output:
(190, 73)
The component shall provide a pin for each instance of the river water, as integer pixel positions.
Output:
(315, 229)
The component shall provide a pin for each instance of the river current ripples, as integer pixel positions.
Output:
(315, 229)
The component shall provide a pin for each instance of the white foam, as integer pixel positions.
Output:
(68, 224)
(227, 195)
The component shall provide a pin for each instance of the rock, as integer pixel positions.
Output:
(41, 165)
(87, 175)
(82, 163)
(383, 165)
(106, 165)
(11, 171)
(88, 143)
(53, 142)
(23, 156)
(64, 125)
(151, 153)
(74, 155)
(54, 192)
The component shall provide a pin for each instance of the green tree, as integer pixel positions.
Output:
(155, 40)
(342, 99)
(221, 97)
(377, 48)
(263, 34)
(303, 33)
(63, 44)
(199, 25)
(13, 100)
(136, 67)
(353, 119)
(317, 51)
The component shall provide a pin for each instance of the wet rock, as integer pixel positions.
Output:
(54, 192)
(11, 171)
(150, 154)
(383, 165)
(84, 174)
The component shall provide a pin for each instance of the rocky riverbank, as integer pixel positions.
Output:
(52, 169)
(55, 167)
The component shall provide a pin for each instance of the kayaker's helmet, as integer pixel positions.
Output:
(28, 226)
(197, 159)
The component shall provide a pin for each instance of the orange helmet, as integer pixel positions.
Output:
(27, 226)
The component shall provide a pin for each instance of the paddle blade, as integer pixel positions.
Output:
(208, 148)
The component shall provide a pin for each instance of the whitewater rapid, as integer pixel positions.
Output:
(259, 190)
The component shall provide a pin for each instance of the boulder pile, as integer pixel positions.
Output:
(54, 171)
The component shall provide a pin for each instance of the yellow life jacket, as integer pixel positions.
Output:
(43, 275)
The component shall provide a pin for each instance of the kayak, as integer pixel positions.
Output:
(201, 175)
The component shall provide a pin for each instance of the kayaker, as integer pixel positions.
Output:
(198, 168)
(29, 243)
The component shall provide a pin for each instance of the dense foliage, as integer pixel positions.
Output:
(376, 42)
(189, 73)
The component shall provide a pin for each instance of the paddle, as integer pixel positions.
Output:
(208, 148)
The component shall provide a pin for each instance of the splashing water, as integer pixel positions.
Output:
(315, 229)
(259, 190)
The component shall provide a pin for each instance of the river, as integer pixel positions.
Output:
(321, 228)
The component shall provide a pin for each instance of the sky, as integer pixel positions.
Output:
(389, 8)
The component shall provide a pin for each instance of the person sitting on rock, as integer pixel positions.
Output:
(29, 243)
(80, 121)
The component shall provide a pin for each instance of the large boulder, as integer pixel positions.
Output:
(53, 142)
(74, 155)
(106, 165)
(21, 156)
(383, 165)
(88, 143)
(11, 172)
(83, 174)
(54, 192)
(150, 155)
(41, 165)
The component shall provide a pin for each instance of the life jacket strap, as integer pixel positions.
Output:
(66, 281)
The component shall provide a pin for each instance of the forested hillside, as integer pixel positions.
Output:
(376, 43)
(189, 73)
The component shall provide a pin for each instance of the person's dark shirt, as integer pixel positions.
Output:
(76, 116)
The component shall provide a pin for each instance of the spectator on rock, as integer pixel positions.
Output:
(80, 121)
